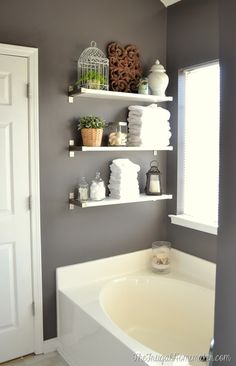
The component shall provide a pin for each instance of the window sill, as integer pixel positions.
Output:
(189, 222)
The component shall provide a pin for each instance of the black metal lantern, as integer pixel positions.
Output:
(153, 185)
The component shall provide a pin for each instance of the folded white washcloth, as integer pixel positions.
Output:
(134, 144)
(148, 130)
(123, 180)
(137, 122)
(140, 120)
(117, 167)
(149, 142)
(125, 163)
(149, 122)
(134, 138)
(149, 116)
(145, 135)
(142, 109)
(123, 187)
(160, 112)
(116, 173)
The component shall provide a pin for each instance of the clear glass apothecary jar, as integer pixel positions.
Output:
(161, 256)
(97, 188)
(117, 133)
(83, 190)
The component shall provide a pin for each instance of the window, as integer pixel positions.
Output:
(198, 148)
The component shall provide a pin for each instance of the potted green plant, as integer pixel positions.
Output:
(92, 79)
(91, 130)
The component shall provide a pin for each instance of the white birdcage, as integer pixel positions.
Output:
(93, 69)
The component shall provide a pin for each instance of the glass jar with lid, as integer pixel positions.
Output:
(117, 133)
(83, 190)
(97, 188)
(161, 251)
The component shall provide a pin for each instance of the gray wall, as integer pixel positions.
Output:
(61, 30)
(225, 322)
(192, 38)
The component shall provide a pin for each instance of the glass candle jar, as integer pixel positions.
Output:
(161, 256)
(117, 133)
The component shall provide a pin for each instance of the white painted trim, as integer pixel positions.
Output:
(50, 345)
(189, 222)
(32, 56)
(66, 356)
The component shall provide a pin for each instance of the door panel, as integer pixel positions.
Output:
(5, 169)
(7, 287)
(16, 318)
(5, 88)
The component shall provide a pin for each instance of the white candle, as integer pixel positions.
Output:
(154, 186)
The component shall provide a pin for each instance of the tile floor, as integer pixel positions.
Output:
(50, 359)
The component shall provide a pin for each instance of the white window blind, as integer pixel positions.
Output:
(201, 143)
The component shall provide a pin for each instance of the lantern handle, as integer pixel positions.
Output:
(93, 44)
(155, 163)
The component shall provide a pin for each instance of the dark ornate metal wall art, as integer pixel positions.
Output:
(125, 68)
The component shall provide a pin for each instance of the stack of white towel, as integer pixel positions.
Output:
(123, 182)
(149, 126)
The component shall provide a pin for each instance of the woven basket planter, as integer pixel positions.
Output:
(92, 136)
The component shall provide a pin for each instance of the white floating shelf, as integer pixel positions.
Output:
(73, 148)
(125, 148)
(104, 94)
(111, 201)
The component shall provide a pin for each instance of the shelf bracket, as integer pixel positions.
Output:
(71, 197)
(155, 152)
(71, 153)
(70, 97)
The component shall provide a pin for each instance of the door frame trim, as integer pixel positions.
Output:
(32, 57)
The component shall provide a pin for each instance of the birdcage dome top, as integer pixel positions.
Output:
(93, 54)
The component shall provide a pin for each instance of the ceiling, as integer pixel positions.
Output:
(169, 2)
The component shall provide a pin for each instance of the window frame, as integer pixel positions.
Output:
(180, 218)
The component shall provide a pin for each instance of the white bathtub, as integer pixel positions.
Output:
(116, 312)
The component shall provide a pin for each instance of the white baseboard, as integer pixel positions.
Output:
(65, 356)
(50, 345)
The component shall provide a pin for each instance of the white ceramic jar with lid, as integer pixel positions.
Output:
(158, 80)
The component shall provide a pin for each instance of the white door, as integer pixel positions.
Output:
(16, 317)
